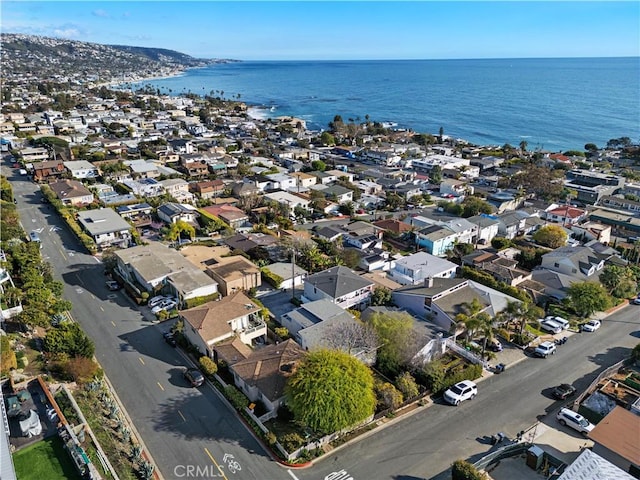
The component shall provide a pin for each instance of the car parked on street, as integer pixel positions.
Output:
(545, 349)
(591, 326)
(636, 301)
(170, 338)
(460, 392)
(563, 391)
(194, 376)
(572, 419)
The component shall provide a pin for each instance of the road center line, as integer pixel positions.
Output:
(62, 253)
(141, 361)
(181, 415)
(101, 308)
(161, 387)
(215, 463)
(113, 323)
(292, 475)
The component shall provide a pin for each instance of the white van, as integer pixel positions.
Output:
(560, 321)
(550, 326)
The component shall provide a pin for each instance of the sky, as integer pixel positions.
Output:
(341, 30)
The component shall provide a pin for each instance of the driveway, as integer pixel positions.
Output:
(279, 303)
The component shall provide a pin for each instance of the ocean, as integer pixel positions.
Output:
(553, 104)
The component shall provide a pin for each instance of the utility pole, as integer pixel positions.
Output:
(293, 273)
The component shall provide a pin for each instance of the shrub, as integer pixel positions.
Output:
(463, 470)
(236, 397)
(407, 385)
(271, 278)
(8, 360)
(81, 369)
(282, 332)
(291, 441)
(388, 395)
(208, 366)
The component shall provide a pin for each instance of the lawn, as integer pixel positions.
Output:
(45, 459)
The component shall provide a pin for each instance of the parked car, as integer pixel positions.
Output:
(563, 391)
(591, 326)
(156, 300)
(564, 323)
(194, 376)
(460, 392)
(636, 301)
(550, 326)
(572, 419)
(113, 285)
(494, 345)
(170, 338)
(164, 305)
(545, 349)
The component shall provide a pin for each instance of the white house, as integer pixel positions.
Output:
(289, 199)
(81, 169)
(416, 268)
(339, 285)
(105, 227)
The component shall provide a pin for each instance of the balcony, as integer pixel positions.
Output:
(256, 328)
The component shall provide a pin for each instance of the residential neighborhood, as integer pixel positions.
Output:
(263, 249)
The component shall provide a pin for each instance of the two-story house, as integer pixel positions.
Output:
(213, 322)
(341, 286)
(416, 268)
(105, 227)
(172, 212)
(436, 239)
(82, 169)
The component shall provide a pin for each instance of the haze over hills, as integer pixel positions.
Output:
(54, 58)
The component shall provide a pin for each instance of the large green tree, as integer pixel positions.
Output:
(398, 343)
(330, 391)
(552, 236)
(620, 281)
(588, 297)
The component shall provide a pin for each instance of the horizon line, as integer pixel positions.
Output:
(409, 59)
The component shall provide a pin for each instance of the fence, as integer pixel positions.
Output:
(472, 357)
(605, 373)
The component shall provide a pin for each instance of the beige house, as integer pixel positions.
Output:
(234, 274)
(71, 192)
(215, 321)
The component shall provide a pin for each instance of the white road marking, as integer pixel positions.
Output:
(292, 475)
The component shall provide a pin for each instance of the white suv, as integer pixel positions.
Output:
(545, 349)
(572, 419)
(550, 326)
(460, 392)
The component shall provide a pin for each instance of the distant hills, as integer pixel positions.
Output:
(28, 55)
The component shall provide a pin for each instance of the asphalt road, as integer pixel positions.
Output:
(184, 427)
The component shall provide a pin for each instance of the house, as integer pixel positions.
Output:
(442, 299)
(172, 212)
(284, 181)
(316, 325)
(82, 169)
(416, 268)
(48, 170)
(565, 215)
(620, 203)
(580, 262)
(339, 285)
(488, 226)
(329, 233)
(105, 227)
(290, 273)
(339, 193)
(615, 438)
(457, 188)
(592, 231)
(155, 267)
(244, 189)
(369, 188)
(591, 466)
(436, 239)
(142, 169)
(134, 211)
(245, 242)
(303, 180)
(291, 200)
(503, 269)
(176, 187)
(232, 216)
(208, 189)
(233, 274)
(512, 224)
(263, 375)
(72, 192)
(465, 231)
(215, 321)
(144, 187)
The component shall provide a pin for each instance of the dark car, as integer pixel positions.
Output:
(170, 338)
(564, 391)
(194, 376)
(113, 285)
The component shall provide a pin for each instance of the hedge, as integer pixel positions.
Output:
(271, 278)
(463, 470)
(487, 279)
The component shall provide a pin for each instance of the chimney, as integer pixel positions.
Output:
(428, 282)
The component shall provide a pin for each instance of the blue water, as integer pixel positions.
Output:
(552, 104)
